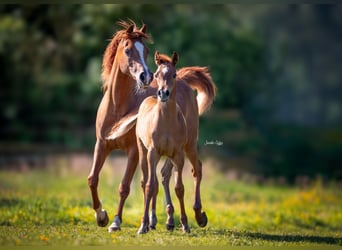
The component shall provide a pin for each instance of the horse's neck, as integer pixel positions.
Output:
(120, 91)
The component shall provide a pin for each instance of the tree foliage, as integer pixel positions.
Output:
(277, 65)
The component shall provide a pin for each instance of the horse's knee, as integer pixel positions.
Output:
(150, 188)
(92, 182)
(143, 184)
(197, 171)
(179, 189)
(124, 190)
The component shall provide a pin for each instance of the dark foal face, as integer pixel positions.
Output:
(133, 61)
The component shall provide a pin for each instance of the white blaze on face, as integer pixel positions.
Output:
(140, 48)
(165, 70)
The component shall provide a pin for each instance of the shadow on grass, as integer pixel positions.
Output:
(294, 238)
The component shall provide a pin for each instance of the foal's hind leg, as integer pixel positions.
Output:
(200, 215)
(166, 173)
(100, 154)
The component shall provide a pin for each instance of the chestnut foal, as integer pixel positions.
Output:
(162, 131)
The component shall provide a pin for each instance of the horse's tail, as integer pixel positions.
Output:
(200, 80)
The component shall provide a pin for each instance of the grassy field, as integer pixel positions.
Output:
(53, 207)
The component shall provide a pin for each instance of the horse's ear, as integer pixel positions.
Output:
(143, 28)
(130, 29)
(157, 57)
(174, 58)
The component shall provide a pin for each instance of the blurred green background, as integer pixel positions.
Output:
(278, 109)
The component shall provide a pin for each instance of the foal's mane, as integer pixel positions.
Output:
(164, 59)
(110, 52)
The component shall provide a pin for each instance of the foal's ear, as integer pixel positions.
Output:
(143, 28)
(130, 29)
(174, 58)
(157, 57)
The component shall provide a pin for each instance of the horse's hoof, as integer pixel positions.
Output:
(143, 230)
(186, 229)
(115, 226)
(202, 222)
(170, 227)
(102, 218)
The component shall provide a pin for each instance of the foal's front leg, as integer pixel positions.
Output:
(166, 173)
(179, 188)
(152, 161)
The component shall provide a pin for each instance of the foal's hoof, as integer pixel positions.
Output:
(102, 218)
(202, 222)
(153, 222)
(115, 226)
(170, 227)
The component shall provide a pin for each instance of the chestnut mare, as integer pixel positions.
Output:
(124, 74)
(124, 70)
(167, 136)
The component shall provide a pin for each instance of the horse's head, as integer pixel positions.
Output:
(128, 50)
(165, 75)
(133, 54)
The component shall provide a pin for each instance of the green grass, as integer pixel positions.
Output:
(53, 207)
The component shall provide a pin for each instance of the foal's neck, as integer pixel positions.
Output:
(169, 109)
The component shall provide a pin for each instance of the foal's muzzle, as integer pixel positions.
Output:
(163, 95)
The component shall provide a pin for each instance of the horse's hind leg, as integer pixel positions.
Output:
(100, 153)
(200, 215)
(124, 187)
(166, 173)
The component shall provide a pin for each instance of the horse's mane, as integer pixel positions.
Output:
(110, 52)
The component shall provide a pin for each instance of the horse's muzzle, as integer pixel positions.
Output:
(145, 79)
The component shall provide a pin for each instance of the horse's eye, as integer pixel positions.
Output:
(174, 75)
(128, 52)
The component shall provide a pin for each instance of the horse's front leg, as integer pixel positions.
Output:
(124, 187)
(100, 153)
(166, 173)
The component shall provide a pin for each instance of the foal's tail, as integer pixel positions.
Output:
(200, 80)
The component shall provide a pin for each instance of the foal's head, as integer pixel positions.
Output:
(165, 75)
(127, 48)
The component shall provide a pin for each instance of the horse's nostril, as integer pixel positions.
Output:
(167, 93)
(142, 77)
(160, 93)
